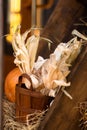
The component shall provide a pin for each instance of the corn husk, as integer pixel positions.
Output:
(47, 75)
(55, 69)
(25, 48)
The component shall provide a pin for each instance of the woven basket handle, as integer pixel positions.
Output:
(27, 77)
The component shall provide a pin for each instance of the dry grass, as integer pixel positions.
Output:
(83, 113)
(9, 122)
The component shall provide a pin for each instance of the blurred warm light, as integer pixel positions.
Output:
(14, 17)
(15, 5)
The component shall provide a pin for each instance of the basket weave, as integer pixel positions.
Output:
(28, 100)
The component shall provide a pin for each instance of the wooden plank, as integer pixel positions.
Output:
(60, 24)
(64, 113)
(1, 62)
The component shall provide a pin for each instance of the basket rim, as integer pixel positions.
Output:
(30, 92)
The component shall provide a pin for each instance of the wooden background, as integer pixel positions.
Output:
(64, 113)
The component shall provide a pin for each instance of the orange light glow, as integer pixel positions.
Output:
(14, 17)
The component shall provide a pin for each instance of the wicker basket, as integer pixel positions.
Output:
(29, 101)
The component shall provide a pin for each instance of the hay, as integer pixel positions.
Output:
(9, 122)
(83, 113)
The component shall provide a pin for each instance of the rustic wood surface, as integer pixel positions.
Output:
(60, 24)
(64, 113)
